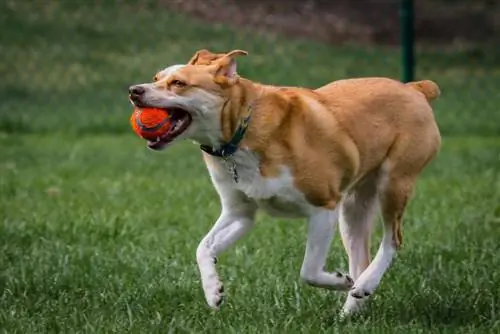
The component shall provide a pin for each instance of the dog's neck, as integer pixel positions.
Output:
(241, 96)
(246, 95)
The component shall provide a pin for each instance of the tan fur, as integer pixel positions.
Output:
(327, 154)
(204, 57)
(427, 87)
(333, 136)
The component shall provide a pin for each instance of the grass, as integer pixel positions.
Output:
(98, 234)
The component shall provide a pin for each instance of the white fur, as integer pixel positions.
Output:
(369, 280)
(356, 225)
(203, 107)
(169, 70)
(277, 196)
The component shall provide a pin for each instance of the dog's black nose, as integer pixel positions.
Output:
(136, 90)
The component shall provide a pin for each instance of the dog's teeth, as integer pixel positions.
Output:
(179, 124)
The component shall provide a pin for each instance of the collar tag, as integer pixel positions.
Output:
(232, 169)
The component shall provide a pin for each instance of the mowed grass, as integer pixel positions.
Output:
(98, 234)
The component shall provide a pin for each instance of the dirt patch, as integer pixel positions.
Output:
(438, 22)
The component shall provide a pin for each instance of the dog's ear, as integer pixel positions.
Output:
(225, 68)
(204, 57)
(196, 56)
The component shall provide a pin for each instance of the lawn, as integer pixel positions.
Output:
(98, 234)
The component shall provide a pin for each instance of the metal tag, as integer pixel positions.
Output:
(231, 167)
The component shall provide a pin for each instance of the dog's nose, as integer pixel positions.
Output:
(136, 90)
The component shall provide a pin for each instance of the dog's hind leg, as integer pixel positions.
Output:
(393, 198)
(357, 217)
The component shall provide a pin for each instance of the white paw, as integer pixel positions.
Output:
(212, 286)
(352, 306)
(333, 281)
(360, 292)
(356, 299)
(214, 291)
(341, 281)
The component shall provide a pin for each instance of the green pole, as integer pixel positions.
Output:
(407, 40)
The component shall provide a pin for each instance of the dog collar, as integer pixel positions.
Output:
(228, 149)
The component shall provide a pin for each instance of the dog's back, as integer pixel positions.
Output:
(381, 114)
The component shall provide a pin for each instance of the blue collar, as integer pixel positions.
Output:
(229, 148)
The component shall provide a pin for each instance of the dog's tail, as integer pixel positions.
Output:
(429, 88)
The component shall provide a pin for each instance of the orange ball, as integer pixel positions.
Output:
(150, 123)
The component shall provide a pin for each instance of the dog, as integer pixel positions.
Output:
(331, 155)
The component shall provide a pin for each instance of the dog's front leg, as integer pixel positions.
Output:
(236, 219)
(321, 227)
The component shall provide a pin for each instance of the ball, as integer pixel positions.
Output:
(150, 123)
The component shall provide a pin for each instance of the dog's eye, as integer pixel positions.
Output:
(178, 83)
(155, 78)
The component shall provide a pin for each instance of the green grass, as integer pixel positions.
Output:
(98, 234)
(66, 67)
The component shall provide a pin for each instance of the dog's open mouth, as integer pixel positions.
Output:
(179, 122)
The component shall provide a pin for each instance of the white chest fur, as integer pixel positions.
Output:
(277, 196)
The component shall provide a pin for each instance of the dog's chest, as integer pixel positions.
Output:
(278, 196)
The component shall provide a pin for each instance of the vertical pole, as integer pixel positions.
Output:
(407, 40)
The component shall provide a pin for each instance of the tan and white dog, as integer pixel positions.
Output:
(329, 154)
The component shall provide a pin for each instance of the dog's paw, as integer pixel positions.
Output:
(214, 293)
(334, 281)
(342, 281)
(353, 305)
(359, 293)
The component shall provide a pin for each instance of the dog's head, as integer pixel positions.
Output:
(194, 94)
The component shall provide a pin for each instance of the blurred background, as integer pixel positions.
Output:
(65, 65)
(98, 234)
